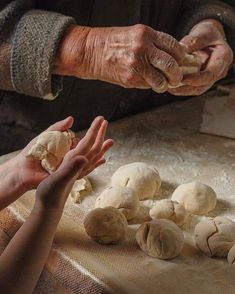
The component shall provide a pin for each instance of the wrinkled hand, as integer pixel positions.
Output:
(132, 57)
(78, 162)
(207, 40)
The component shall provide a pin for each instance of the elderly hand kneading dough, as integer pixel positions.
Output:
(116, 63)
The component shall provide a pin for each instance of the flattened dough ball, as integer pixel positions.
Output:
(81, 188)
(196, 197)
(215, 237)
(160, 238)
(168, 209)
(139, 176)
(51, 148)
(123, 198)
(106, 225)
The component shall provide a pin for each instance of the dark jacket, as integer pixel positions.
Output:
(30, 32)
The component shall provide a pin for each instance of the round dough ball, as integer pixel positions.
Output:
(196, 197)
(106, 225)
(139, 176)
(231, 255)
(168, 209)
(215, 237)
(160, 238)
(123, 198)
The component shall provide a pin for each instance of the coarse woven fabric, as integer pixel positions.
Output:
(164, 138)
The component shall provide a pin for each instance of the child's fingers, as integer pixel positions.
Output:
(91, 168)
(62, 125)
(70, 168)
(87, 142)
(97, 146)
(105, 147)
(98, 159)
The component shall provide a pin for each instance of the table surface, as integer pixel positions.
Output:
(168, 138)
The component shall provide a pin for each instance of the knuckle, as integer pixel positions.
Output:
(141, 29)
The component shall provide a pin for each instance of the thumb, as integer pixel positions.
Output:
(194, 43)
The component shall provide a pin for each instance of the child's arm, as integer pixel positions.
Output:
(21, 174)
(22, 261)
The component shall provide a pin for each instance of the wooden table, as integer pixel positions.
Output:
(169, 138)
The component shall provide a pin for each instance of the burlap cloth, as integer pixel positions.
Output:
(168, 138)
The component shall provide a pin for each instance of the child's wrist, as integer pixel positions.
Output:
(47, 210)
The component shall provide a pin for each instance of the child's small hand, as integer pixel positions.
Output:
(30, 170)
(78, 162)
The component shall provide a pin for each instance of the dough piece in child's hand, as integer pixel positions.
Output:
(51, 147)
(160, 238)
(231, 255)
(123, 198)
(139, 176)
(196, 197)
(168, 209)
(215, 237)
(81, 188)
(106, 225)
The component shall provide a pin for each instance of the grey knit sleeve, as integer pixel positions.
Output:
(34, 45)
(198, 10)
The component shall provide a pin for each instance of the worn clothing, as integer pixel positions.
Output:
(30, 32)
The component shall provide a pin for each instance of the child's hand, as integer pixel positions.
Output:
(78, 162)
(29, 169)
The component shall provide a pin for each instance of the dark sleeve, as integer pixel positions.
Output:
(196, 11)
(28, 42)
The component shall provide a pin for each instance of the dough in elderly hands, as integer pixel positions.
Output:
(190, 65)
(160, 238)
(139, 176)
(123, 198)
(51, 148)
(168, 209)
(196, 197)
(81, 188)
(215, 237)
(106, 225)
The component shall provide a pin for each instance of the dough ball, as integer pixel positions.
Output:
(51, 148)
(196, 197)
(81, 188)
(123, 198)
(215, 237)
(168, 209)
(160, 238)
(139, 176)
(106, 225)
(231, 255)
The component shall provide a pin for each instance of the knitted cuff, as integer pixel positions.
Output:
(34, 46)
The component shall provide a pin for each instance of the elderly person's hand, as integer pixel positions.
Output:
(132, 57)
(207, 40)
